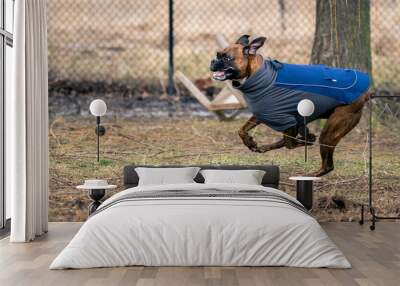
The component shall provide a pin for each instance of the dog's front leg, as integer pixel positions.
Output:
(291, 140)
(269, 147)
(287, 141)
(244, 133)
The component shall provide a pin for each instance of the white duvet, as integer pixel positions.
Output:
(200, 231)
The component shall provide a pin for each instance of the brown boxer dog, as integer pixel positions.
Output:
(239, 61)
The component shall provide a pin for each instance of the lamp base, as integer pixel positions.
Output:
(100, 130)
(95, 195)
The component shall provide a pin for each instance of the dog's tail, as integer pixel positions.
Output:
(360, 102)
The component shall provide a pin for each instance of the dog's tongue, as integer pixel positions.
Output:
(219, 74)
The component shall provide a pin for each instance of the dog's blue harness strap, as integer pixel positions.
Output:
(344, 85)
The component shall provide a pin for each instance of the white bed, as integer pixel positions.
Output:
(185, 230)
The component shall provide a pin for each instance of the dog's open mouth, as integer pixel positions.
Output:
(219, 75)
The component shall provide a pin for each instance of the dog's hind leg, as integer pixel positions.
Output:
(341, 122)
(359, 103)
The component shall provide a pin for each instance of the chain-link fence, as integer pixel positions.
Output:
(107, 39)
(127, 40)
(288, 26)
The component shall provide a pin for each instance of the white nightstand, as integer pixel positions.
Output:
(95, 193)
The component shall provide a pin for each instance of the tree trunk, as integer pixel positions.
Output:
(342, 34)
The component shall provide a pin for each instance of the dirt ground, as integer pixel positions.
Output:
(186, 140)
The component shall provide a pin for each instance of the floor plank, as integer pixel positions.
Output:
(375, 257)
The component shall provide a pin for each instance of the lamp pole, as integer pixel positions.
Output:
(170, 87)
(305, 138)
(100, 131)
(98, 137)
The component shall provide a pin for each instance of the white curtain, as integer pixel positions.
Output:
(27, 122)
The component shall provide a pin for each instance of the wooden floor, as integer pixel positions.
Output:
(375, 257)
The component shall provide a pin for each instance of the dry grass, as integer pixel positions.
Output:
(207, 141)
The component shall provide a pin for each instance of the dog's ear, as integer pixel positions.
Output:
(251, 49)
(243, 40)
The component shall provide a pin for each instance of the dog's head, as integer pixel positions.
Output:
(233, 61)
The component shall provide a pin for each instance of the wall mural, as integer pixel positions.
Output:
(119, 54)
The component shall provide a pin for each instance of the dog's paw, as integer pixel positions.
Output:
(254, 148)
(321, 172)
(311, 137)
(263, 149)
(251, 144)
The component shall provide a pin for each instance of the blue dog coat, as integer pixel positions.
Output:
(273, 92)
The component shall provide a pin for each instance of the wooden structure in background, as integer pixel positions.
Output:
(227, 99)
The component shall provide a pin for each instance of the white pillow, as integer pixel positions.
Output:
(165, 176)
(248, 177)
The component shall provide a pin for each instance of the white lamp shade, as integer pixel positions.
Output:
(98, 107)
(305, 107)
